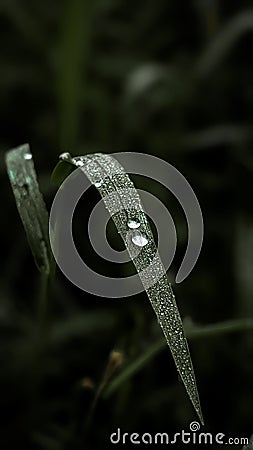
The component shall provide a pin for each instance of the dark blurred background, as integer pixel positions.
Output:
(173, 79)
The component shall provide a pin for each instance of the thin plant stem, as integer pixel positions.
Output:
(193, 332)
(114, 361)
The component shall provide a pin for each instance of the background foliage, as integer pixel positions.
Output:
(172, 79)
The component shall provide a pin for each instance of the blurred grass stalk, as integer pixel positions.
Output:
(115, 360)
(243, 264)
(192, 332)
(74, 48)
(224, 41)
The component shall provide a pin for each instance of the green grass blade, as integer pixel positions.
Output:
(115, 187)
(30, 204)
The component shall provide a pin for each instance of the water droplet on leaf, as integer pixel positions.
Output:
(79, 163)
(65, 156)
(133, 224)
(139, 239)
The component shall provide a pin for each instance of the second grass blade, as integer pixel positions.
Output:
(30, 204)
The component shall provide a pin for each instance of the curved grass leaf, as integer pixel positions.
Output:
(123, 203)
(30, 204)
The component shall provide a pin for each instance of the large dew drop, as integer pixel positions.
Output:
(139, 239)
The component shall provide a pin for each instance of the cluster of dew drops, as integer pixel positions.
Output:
(138, 238)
